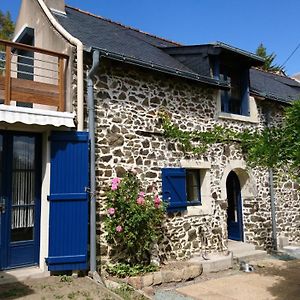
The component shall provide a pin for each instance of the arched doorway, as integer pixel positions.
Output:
(234, 210)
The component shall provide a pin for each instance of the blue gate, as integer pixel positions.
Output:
(68, 223)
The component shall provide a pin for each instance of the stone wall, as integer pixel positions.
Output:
(128, 135)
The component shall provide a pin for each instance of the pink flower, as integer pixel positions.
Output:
(116, 180)
(114, 183)
(157, 201)
(119, 228)
(111, 211)
(140, 200)
(142, 194)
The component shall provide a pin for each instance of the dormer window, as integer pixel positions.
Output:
(236, 99)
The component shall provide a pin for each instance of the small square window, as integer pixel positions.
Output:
(193, 185)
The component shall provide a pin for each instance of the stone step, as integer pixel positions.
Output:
(248, 256)
(213, 262)
(236, 247)
(22, 274)
(292, 250)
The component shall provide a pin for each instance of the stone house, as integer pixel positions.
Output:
(130, 77)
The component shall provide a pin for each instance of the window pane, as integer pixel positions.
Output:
(1, 150)
(23, 188)
(1, 167)
(232, 100)
(193, 185)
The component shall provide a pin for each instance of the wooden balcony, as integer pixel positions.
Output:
(31, 76)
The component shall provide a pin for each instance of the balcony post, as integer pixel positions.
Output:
(7, 94)
(61, 84)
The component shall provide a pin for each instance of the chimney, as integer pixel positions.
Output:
(57, 5)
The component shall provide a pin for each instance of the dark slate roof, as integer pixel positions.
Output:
(102, 33)
(273, 86)
(167, 56)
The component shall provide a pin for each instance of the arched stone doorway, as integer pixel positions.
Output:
(234, 210)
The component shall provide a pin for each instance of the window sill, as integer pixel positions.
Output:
(228, 116)
(199, 210)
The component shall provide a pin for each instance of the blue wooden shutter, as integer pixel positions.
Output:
(174, 188)
(68, 221)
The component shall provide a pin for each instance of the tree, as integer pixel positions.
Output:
(269, 59)
(7, 26)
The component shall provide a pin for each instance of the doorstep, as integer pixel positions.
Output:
(22, 274)
(213, 262)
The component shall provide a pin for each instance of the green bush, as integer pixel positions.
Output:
(133, 222)
(123, 270)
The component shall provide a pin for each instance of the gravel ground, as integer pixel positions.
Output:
(56, 287)
(272, 279)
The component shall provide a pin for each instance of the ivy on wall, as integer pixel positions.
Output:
(270, 147)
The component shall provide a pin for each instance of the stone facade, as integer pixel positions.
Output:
(129, 135)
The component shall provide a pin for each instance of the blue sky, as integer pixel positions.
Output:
(241, 23)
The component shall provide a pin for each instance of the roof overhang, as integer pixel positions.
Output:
(167, 70)
(218, 49)
(267, 96)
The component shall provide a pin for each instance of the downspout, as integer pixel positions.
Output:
(79, 47)
(91, 119)
(272, 196)
(273, 210)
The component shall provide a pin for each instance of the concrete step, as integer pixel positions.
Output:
(292, 250)
(213, 262)
(236, 247)
(248, 256)
(245, 252)
(22, 274)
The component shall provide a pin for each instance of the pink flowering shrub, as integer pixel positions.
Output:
(133, 222)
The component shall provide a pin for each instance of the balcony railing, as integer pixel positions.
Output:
(31, 76)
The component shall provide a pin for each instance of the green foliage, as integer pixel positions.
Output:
(65, 278)
(269, 59)
(133, 222)
(201, 139)
(7, 26)
(290, 138)
(275, 146)
(128, 293)
(123, 270)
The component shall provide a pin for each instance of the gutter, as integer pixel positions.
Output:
(271, 97)
(91, 125)
(79, 47)
(168, 70)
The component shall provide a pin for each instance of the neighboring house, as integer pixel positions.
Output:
(296, 76)
(213, 197)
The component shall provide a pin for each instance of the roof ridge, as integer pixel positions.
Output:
(120, 24)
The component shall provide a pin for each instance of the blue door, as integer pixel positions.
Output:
(20, 185)
(68, 220)
(234, 210)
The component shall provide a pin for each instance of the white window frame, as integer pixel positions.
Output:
(205, 208)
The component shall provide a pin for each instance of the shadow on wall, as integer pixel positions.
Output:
(11, 288)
